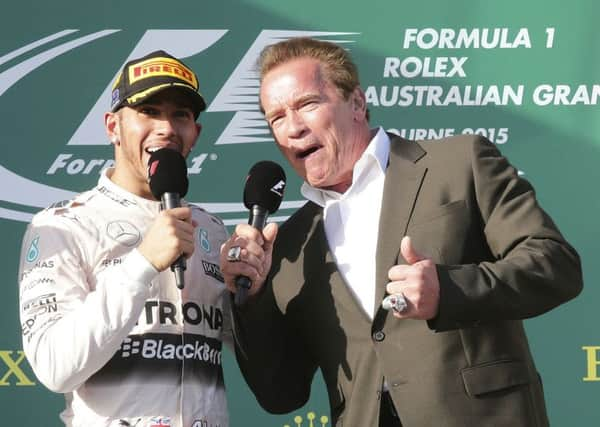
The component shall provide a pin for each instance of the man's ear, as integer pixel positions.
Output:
(111, 125)
(359, 103)
(198, 132)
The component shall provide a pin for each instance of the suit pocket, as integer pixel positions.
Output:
(423, 218)
(440, 232)
(494, 376)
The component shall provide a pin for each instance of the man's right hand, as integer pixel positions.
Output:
(170, 236)
(256, 249)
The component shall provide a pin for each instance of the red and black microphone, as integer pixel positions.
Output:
(263, 193)
(167, 176)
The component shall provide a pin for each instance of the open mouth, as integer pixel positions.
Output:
(154, 149)
(305, 153)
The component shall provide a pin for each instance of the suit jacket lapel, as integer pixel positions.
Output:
(403, 180)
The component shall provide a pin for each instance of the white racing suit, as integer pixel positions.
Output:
(102, 326)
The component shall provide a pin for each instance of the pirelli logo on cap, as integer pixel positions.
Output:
(157, 67)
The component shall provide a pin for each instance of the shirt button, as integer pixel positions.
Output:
(379, 336)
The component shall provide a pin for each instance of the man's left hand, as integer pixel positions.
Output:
(417, 281)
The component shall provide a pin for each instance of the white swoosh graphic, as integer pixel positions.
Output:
(16, 189)
(35, 44)
(14, 74)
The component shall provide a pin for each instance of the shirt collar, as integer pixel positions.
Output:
(375, 155)
(119, 192)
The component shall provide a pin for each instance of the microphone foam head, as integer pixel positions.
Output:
(167, 173)
(265, 185)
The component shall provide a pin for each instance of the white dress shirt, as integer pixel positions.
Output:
(352, 220)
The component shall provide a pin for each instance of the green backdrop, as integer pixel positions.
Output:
(525, 74)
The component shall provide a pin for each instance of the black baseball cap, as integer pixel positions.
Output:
(145, 77)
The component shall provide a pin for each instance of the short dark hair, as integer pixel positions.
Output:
(338, 66)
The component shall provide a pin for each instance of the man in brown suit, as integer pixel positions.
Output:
(446, 228)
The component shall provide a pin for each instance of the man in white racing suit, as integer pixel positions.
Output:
(102, 319)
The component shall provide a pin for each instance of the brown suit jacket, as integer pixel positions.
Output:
(499, 258)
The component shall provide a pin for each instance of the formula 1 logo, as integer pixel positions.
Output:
(238, 95)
